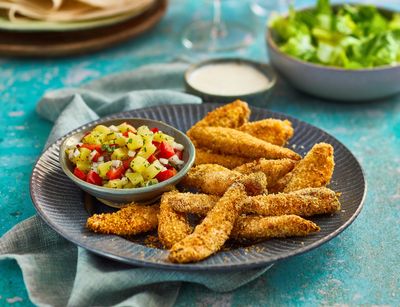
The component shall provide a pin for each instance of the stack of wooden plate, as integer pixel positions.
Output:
(65, 27)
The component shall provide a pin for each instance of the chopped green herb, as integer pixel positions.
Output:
(107, 147)
(130, 140)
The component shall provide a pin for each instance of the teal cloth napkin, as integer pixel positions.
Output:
(58, 273)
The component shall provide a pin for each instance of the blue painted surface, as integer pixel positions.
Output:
(360, 266)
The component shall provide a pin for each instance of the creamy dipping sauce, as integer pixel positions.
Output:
(228, 79)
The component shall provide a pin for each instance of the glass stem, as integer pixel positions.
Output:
(218, 28)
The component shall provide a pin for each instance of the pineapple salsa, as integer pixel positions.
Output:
(123, 157)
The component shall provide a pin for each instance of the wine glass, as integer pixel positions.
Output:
(264, 8)
(217, 34)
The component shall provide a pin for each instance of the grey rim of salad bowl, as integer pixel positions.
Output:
(273, 45)
(272, 77)
(131, 191)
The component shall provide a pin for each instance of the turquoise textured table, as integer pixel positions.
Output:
(359, 267)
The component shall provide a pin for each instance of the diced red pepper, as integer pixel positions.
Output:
(157, 144)
(127, 163)
(179, 153)
(126, 133)
(166, 150)
(154, 130)
(169, 166)
(96, 156)
(94, 178)
(79, 173)
(115, 173)
(152, 158)
(92, 147)
(164, 175)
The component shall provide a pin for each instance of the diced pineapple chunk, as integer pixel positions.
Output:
(120, 154)
(129, 185)
(147, 150)
(103, 168)
(134, 141)
(120, 141)
(145, 133)
(148, 138)
(84, 154)
(135, 178)
(92, 138)
(143, 130)
(152, 171)
(139, 164)
(83, 165)
(110, 136)
(115, 184)
(159, 137)
(124, 180)
(124, 127)
(102, 129)
(150, 182)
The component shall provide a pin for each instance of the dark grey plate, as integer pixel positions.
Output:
(61, 203)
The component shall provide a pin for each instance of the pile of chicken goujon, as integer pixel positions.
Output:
(250, 188)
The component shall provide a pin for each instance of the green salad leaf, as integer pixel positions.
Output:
(350, 36)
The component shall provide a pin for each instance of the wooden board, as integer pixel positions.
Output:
(56, 44)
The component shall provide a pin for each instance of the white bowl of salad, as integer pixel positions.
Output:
(347, 52)
(128, 159)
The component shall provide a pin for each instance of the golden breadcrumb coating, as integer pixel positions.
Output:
(210, 178)
(314, 171)
(234, 142)
(204, 156)
(215, 179)
(256, 227)
(209, 236)
(281, 183)
(232, 115)
(255, 183)
(271, 130)
(273, 169)
(199, 203)
(305, 202)
(130, 220)
(172, 226)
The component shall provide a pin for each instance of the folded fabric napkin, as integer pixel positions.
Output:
(58, 273)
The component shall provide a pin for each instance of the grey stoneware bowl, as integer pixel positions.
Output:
(118, 197)
(256, 99)
(335, 83)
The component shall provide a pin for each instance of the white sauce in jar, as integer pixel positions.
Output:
(228, 79)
